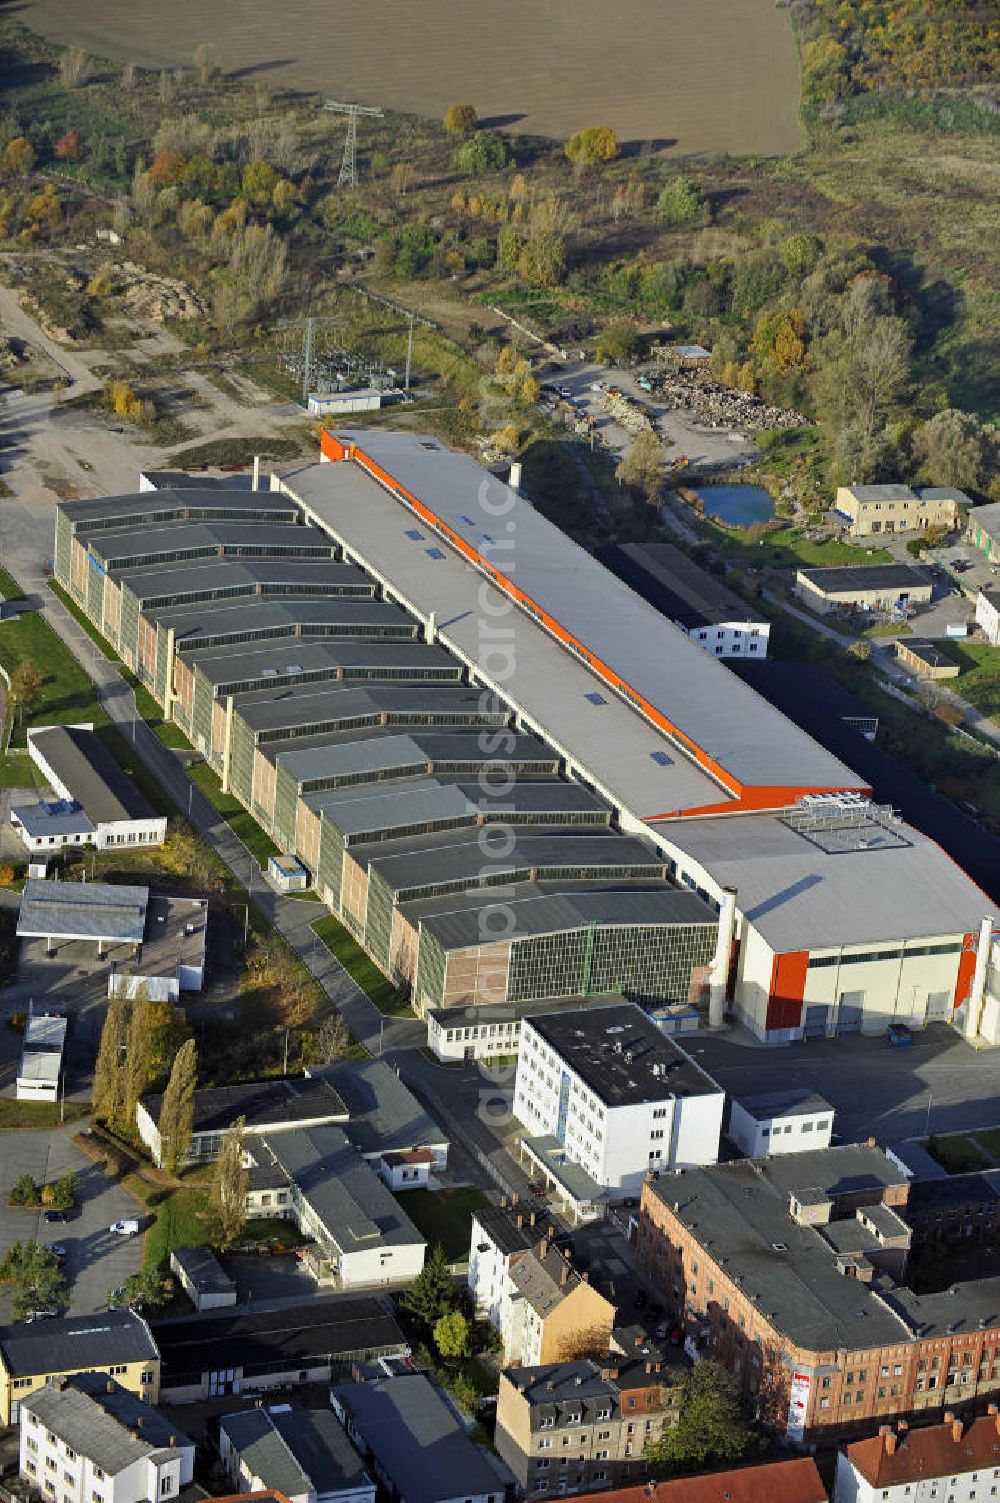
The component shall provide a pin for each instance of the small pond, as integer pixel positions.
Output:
(739, 505)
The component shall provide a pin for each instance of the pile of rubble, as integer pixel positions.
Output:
(718, 406)
(147, 295)
(624, 411)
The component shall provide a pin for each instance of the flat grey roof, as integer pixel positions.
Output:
(263, 1103)
(269, 575)
(963, 1308)
(82, 910)
(384, 1114)
(264, 710)
(52, 817)
(928, 652)
(203, 1269)
(296, 1450)
(456, 919)
(97, 1418)
(218, 618)
(309, 655)
(672, 582)
(382, 805)
(838, 580)
(75, 1342)
(370, 750)
(700, 697)
(800, 1102)
(453, 856)
(196, 498)
(621, 1055)
(801, 897)
(117, 545)
(789, 1272)
(83, 764)
(342, 1189)
(417, 1439)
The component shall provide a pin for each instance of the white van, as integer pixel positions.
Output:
(125, 1228)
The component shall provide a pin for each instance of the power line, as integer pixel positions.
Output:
(349, 164)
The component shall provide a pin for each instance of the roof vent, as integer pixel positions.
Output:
(779, 1246)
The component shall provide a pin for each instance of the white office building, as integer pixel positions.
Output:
(85, 1439)
(780, 1122)
(604, 1088)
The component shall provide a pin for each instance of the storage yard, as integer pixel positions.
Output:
(435, 698)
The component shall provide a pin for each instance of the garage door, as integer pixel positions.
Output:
(815, 1022)
(938, 1007)
(850, 1012)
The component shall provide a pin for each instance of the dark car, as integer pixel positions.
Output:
(639, 1298)
(51, 1217)
(899, 1035)
(56, 1249)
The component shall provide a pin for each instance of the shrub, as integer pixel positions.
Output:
(23, 1192)
(19, 156)
(481, 153)
(460, 120)
(680, 201)
(69, 147)
(598, 143)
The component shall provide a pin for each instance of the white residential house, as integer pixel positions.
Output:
(951, 1462)
(780, 1122)
(605, 1087)
(85, 1439)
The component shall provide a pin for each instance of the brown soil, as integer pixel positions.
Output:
(693, 76)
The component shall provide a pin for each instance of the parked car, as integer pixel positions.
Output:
(662, 1331)
(639, 1298)
(125, 1228)
(46, 1314)
(900, 1035)
(53, 1217)
(56, 1249)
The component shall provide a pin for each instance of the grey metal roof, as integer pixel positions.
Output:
(417, 1440)
(52, 817)
(621, 1055)
(370, 751)
(83, 910)
(881, 492)
(265, 710)
(295, 1451)
(84, 766)
(116, 546)
(263, 1104)
(390, 805)
(309, 655)
(699, 696)
(789, 1272)
(196, 497)
(800, 897)
(97, 1418)
(672, 581)
(203, 1269)
(76, 1343)
(342, 1189)
(455, 920)
(216, 618)
(943, 493)
(153, 581)
(384, 1114)
(987, 517)
(797, 1102)
(426, 859)
(837, 580)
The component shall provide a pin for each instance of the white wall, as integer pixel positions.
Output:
(792, 1133)
(988, 618)
(733, 639)
(75, 1476)
(973, 1485)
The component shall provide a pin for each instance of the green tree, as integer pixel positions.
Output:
(710, 1428)
(177, 1109)
(432, 1293)
(595, 144)
(139, 1070)
(144, 1290)
(36, 1276)
(680, 201)
(641, 466)
(259, 181)
(861, 649)
(617, 341)
(229, 1186)
(108, 1078)
(63, 1196)
(800, 252)
(482, 152)
(460, 120)
(956, 449)
(25, 688)
(24, 1191)
(451, 1335)
(19, 156)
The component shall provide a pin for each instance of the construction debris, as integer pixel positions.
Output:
(624, 411)
(716, 406)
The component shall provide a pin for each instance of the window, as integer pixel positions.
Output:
(166, 1485)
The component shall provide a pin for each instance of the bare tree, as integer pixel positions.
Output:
(881, 361)
(206, 61)
(73, 67)
(128, 77)
(167, 88)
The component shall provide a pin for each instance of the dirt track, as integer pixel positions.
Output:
(697, 76)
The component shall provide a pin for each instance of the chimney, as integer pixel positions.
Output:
(992, 1409)
(901, 1427)
(519, 1220)
(890, 1443)
(639, 1340)
(870, 1143)
(956, 1430)
(171, 1440)
(109, 1387)
(256, 472)
(533, 1218)
(564, 1274)
(605, 1374)
(649, 1367)
(515, 475)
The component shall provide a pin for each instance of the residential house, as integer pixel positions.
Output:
(117, 1343)
(795, 1481)
(872, 509)
(951, 1462)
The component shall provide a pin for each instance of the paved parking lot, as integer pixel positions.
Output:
(878, 1091)
(96, 1260)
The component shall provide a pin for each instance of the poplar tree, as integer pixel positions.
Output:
(108, 1078)
(177, 1110)
(229, 1186)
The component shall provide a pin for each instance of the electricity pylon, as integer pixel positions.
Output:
(349, 165)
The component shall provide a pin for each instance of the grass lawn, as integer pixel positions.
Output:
(785, 547)
(444, 1216)
(17, 770)
(9, 587)
(67, 694)
(979, 677)
(259, 844)
(990, 1140)
(273, 1231)
(38, 1114)
(235, 451)
(181, 1218)
(356, 963)
(956, 1153)
(888, 629)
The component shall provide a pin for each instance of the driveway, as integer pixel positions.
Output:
(96, 1260)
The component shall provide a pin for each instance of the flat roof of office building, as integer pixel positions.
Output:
(420, 799)
(672, 582)
(800, 893)
(216, 618)
(797, 1102)
(252, 660)
(52, 817)
(423, 860)
(284, 707)
(176, 581)
(718, 714)
(377, 749)
(835, 580)
(384, 1113)
(83, 910)
(84, 766)
(197, 497)
(621, 1055)
(115, 546)
(262, 1103)
(456, 920)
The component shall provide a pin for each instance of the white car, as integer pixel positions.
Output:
(125, 1228)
